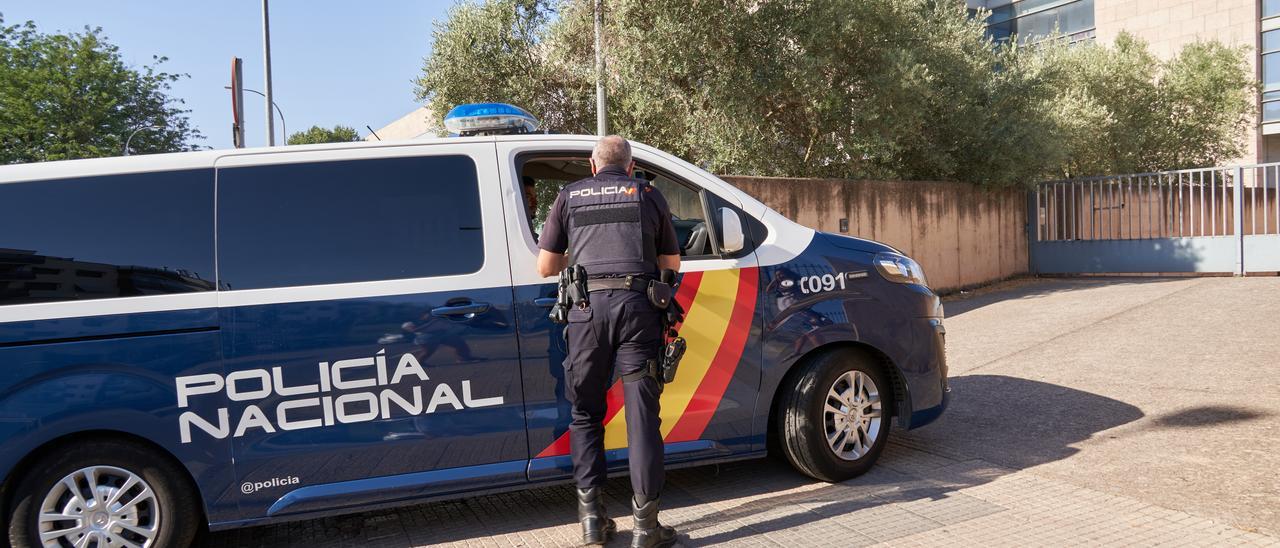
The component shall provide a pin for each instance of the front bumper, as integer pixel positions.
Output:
(930, 392)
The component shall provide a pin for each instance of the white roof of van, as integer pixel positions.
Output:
(141, 163)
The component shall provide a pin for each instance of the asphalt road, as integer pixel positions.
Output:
(1085, 411)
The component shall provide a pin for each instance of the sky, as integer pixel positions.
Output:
(332, 62)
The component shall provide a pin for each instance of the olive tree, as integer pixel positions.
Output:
(1120, 109)
(846, 88)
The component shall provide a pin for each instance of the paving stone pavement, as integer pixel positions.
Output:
(1029, 460)
(912, 498)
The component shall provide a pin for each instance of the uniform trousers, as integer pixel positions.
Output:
(618, 333)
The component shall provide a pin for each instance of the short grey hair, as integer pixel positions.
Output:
(612, 150)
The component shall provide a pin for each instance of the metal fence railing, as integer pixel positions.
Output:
(1191, 203)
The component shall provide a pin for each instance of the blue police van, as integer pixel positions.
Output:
(237, 337)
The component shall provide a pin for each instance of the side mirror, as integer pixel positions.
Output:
(732, 240)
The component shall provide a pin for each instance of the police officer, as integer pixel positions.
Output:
(619, 229)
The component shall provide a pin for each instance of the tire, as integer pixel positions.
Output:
(168, 514)
(862, 428)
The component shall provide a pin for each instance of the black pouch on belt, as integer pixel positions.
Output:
(660, 294)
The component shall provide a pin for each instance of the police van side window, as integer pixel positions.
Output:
(552, 171)
(348, 221)
(688, 216)
(106, 236)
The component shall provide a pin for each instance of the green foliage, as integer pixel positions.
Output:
(907, 89)
(1119, 109)
(494, 52)
(66, 96)
(317, 134)
(1207, 96)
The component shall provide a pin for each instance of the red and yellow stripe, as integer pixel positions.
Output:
(719, 306)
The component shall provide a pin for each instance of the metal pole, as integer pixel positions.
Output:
(1253, 200)
(266, 64)
(1075, 214)
(1213, 205)
(1163, 220)
(602, 121)
(1093, 211)
(1033, 227)
(1237, 210)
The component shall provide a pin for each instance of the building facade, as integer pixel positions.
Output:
(1166, 25)
(419, 123)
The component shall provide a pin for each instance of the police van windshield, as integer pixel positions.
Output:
(544, 176)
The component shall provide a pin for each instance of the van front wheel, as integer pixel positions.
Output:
(102, 493)
(834, 420)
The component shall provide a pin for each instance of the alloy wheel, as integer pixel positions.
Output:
(99, 507)
(852, 415)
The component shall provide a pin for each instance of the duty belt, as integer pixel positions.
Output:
(630, 283)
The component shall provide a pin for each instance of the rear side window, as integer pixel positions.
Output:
(348, 221)
(106, 236)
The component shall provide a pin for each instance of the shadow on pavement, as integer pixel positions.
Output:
(1018, 423)
(1007, 422)
(1031, 288)
(996, 425)
(1209, 415)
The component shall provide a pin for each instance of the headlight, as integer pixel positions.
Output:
(899, 269)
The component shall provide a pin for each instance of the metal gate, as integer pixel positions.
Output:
(1222, 219)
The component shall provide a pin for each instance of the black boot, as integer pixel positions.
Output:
(597, 528)
(648, 533)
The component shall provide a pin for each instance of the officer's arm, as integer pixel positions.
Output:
(554, 241)
(550, 264)
(668, 262)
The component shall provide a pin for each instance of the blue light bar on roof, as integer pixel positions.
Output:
(489, 119)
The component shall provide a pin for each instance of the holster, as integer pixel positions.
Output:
(560, 311)
(671, 355)
(571, 291)
(673, 315)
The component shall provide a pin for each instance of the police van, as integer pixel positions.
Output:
(239, 337)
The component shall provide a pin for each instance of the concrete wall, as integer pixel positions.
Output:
(961, 234)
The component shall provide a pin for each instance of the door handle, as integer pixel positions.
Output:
(545, 302)
(466, 310)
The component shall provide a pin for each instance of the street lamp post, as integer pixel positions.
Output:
(266, 58)
(135, 132)
(602, 117)
(284, 128)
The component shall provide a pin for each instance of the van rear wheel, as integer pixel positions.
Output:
(834, 420)
(103, 493)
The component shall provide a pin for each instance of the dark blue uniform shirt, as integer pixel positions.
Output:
(655, 214)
